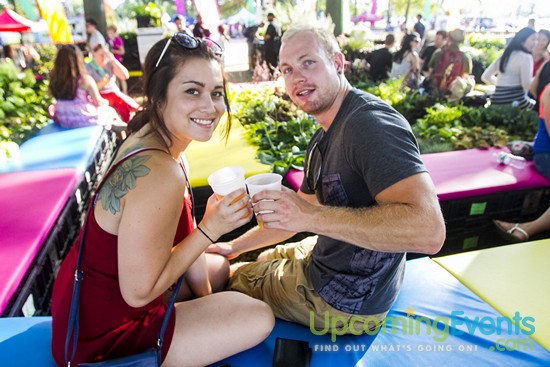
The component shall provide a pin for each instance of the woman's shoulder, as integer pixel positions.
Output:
(85, 81)
(521, 55)
(138, 148)
(144, 167)
(147, 157)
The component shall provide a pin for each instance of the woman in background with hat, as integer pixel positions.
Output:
(512, 73)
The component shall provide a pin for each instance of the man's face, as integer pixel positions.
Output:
(178, 24)
(439, 41)
(311, 78)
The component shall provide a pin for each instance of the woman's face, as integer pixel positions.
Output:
(414, 44)
(542, 42)
(100, 56)
(194, 101)
(530, 42)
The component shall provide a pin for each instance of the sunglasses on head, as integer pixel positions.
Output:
(97, 47)
(189, 42)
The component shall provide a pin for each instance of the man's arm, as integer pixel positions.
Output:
(467, 65)
(407, 217)
(118, 69)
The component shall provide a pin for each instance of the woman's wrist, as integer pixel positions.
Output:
(211, 236)
(205, 234)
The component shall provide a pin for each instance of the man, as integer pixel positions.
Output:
(198, 29)
(180, 21)
(250, 34)
(96, 38)
(439, 75)
(365, 193)
(381, 60)
(419, 27)
(272, 43)
(426, 54)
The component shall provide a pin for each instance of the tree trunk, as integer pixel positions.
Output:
(407, 11)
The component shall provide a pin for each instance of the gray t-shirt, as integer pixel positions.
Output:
(96, 38)
(368, 148)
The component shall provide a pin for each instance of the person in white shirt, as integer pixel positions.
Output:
(96, 38)
(512, 72)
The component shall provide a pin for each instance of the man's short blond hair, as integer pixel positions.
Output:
(325, 38)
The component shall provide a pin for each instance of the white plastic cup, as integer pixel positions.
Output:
(261, 182)
(226, 180)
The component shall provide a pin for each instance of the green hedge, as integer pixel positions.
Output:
(281, 131)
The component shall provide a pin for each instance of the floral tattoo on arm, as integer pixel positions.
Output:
(121, 181)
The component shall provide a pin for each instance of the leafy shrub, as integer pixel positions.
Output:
(23, 103)
(414, 104)
(281, 130)
(357, 74)
(275, 125)
(483, 41)
(520, 124)
(47, 54)
(475, 127)
(389, 90)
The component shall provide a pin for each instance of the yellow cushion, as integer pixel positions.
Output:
(207, 157)
(511, 279)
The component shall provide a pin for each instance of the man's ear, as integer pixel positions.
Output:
(339, 62)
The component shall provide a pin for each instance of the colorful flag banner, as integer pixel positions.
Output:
(52, 12)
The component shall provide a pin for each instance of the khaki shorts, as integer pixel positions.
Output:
(283, 282)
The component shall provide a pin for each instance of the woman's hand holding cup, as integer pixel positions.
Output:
(230, 196)
(226, 214)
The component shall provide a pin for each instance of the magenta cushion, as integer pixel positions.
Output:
(294, 178)
(475, 172)
(30, 203)
(466, 173)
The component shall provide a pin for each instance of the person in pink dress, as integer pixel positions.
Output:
(77, 99)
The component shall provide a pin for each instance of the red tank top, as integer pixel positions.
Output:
(109, 327)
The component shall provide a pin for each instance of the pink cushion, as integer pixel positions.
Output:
(31, 202)
(294, 178)
(475, 172)
(466, 173)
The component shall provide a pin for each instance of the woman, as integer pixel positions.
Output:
(517, 232)
(78, 102)
(406, 61)
(141, 234)
(105, 69)
(540, 51)
(541, 79)
(512, 72)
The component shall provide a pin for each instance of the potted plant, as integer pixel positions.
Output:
(146, 14)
